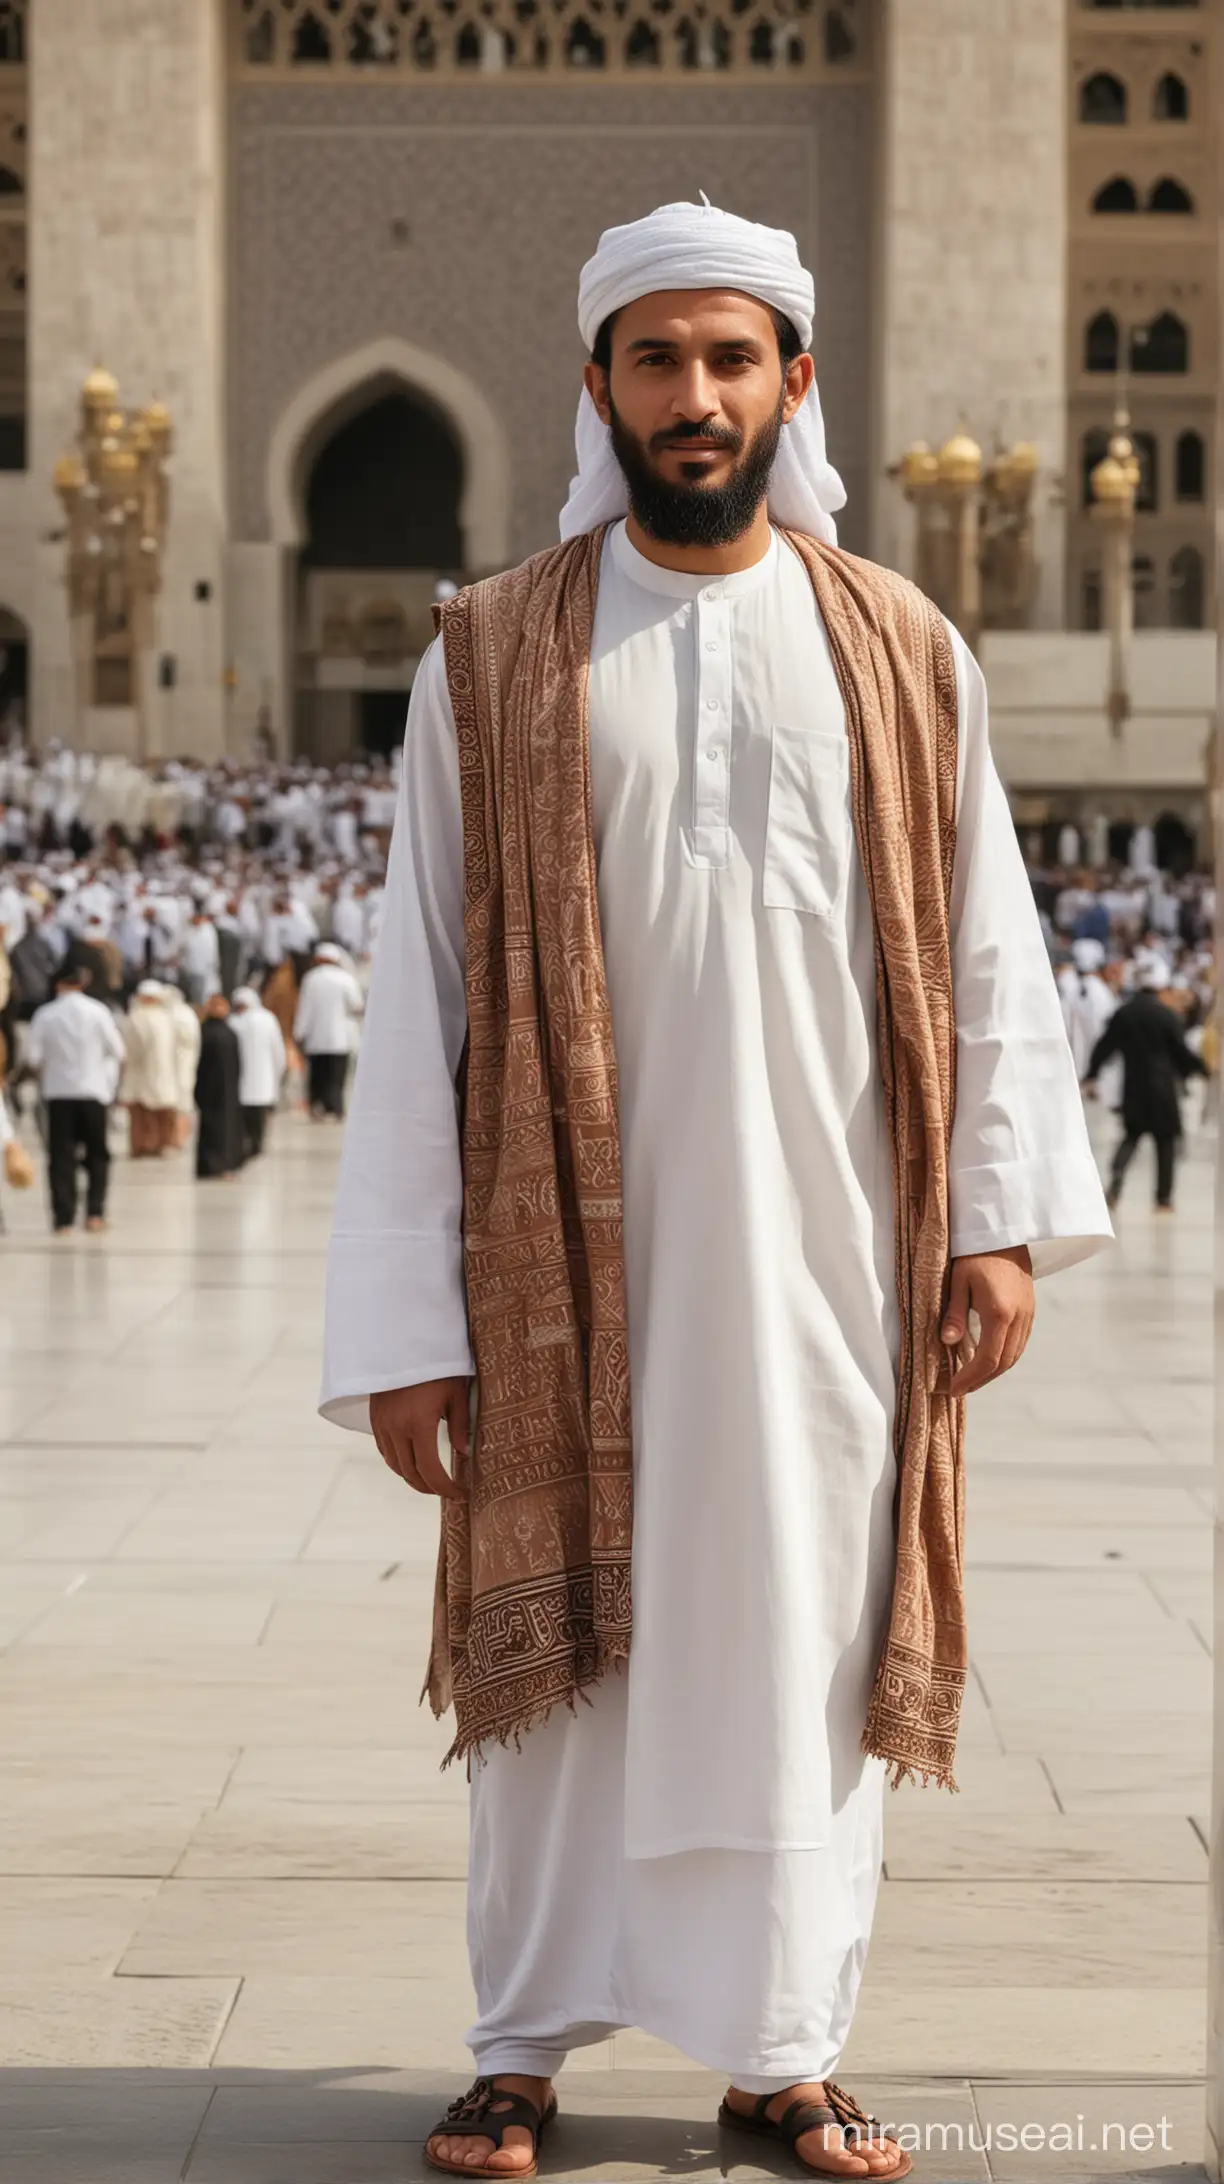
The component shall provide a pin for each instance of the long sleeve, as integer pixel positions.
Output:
(1022, 1169)
(396, 1305)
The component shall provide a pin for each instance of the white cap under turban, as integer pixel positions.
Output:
(697, 246)
(1087, 955)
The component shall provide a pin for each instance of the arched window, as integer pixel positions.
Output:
(1171, 99)
(1116, 196)
(1094, 446)
(1102, 99)
(1164, 346)
(642, 48)
(1186, 589)
(1169, 196)
(839, 39)
(1101, 343)
(311, 42)
(11, 185)
(584, 48)
(1191, 467)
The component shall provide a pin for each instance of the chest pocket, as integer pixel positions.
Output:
(807, 831)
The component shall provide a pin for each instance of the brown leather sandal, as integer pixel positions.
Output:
(488, 2111)
(837, 2108)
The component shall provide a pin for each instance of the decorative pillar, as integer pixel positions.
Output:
(1115, 481)
(127, 112)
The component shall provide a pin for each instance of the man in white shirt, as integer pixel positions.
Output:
(261, 1066)
(76, 1048)
(328, 1012)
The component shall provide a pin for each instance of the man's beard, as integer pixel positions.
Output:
(690, 513)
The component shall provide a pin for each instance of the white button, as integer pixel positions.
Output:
(713, 756)
(710, 645)
(711, 705)
(712, 593)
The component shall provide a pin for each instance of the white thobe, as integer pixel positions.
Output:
(261, 1056)
(757, 1175)
(328, 1011)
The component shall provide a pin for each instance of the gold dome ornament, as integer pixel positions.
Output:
(100, 391)
(918, 467)
(68, 476)
(156, 420)
(960, 460)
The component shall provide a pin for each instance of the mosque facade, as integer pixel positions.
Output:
(339, 241)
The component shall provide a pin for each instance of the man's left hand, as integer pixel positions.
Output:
(998, 1286)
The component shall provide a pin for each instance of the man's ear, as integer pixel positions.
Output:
(595, 380)
(800, 373)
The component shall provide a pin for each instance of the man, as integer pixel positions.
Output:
(200, 959)
(219, 1142)
(150, 1083)
(325, 1027)
(34, 962)
(261, 1067)
(185, 1033)
(1156, 1061)
(76, 1050)
(702, 782)
(1088, 1001)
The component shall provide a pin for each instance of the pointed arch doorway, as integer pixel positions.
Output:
(387, 473)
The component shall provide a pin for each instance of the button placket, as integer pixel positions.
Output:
(712, 729)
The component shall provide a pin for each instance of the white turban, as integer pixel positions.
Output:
(1087, 955)
(697, 246)
(245, 997)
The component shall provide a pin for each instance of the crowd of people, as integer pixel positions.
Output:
(179, 942)
(1133, 949)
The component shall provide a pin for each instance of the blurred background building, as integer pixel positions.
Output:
(337, 242)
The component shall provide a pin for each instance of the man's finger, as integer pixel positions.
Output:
(986, 1359)
(429, 1467)
(956, 1317)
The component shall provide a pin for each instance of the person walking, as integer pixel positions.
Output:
(76, 1049)
(219, 1143)
(150, 1085)
(328, 1012)
(261, 1051)
(1156, 1061)
(185, 1026)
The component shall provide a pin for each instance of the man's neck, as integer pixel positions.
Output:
(743, 552)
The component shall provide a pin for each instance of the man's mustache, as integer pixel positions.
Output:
(710, 436)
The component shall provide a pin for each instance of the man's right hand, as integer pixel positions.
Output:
(405, 1423)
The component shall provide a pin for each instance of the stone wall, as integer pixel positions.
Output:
(972, 213)
(504, 189)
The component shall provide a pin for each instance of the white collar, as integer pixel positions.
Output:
(689, 583)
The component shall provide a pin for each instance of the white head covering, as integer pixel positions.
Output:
(326, 952)
(245, 997)
(697, 246)
(150, 989)
(1087, 955)
(1154, 974)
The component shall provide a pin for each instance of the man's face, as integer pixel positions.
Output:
(696, 398)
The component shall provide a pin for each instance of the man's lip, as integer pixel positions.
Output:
(694, 447)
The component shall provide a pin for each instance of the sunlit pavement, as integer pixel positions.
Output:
(231, 1874)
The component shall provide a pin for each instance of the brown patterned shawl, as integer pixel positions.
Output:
(533, 1595)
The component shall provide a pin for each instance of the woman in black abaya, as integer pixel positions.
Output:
(219, 1145)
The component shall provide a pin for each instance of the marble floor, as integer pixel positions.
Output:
(231, 1874)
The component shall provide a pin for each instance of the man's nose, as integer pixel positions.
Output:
(695, 396)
